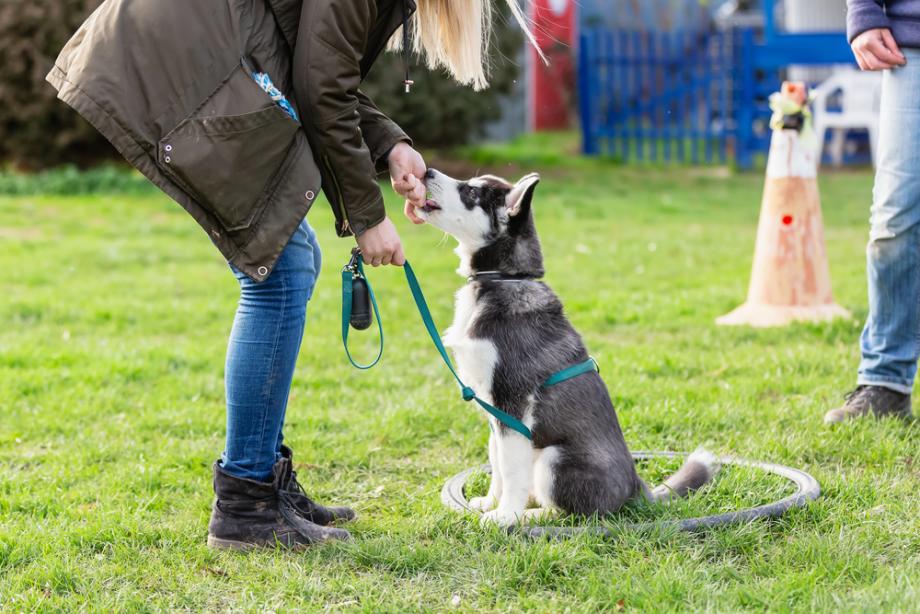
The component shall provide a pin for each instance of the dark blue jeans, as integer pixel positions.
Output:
(261, 355)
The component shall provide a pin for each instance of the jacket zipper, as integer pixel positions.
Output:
(338, 192)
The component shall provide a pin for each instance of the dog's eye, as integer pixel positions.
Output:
(468, 190)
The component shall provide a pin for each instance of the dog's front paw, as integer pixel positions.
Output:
(502, 518)
(483, 504)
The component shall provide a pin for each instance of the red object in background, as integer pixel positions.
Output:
(551, 89)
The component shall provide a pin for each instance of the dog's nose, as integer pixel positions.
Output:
(430, 173)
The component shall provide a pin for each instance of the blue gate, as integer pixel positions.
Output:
(689, 96)
(657, 95)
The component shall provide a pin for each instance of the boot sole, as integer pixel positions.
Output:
(229, 544)
(218, 543)
(907, 416)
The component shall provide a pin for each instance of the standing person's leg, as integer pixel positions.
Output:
(890, 342)
(280, 450)
(252, 506)
(261, 356)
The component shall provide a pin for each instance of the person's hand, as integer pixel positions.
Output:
(876, 49)
(381, 245)
(407, 169)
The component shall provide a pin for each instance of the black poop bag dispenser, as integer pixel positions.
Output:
(361, 315)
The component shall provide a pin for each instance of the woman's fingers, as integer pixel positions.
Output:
(411, 189)
(409, 210)
(399, 258)
(405, 184)
(412, 183)
(380, 244)
(417, 195)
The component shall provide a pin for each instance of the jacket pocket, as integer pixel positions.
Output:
(230, 162)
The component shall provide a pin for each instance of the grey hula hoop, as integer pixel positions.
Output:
(807, 489)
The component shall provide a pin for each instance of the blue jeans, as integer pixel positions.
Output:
(890, 342)
(261, 355)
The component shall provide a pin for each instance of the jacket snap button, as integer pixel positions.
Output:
(309, 195)
(263, 270)
(168, 159)
(168, 148)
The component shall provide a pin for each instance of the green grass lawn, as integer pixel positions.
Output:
(115, 312)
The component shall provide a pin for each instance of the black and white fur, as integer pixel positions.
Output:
(508, 336)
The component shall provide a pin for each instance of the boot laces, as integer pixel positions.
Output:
(856, 393)
(294, 486)
(289, 511)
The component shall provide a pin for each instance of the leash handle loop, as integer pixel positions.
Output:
(348, 273)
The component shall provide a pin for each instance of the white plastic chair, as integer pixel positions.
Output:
(860, 94)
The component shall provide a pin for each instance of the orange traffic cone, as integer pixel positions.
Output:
(790, 279)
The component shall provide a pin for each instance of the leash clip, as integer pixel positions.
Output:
(352, 265)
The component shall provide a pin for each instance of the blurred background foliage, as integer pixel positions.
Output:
(37, 131)
(438, 113)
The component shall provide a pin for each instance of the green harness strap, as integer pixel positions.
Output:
(573, 371)
(468, 393)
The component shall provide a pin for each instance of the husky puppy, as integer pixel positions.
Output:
(509, 335)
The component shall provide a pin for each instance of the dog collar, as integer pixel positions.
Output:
(499, 276)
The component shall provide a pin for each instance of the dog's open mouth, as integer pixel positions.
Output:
(430, 206)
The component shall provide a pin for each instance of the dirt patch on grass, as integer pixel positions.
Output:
(22, 234)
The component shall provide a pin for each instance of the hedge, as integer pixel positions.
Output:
(37, 131)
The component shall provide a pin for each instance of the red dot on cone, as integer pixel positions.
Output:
(787, 219)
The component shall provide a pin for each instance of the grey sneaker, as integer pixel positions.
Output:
(876, 400)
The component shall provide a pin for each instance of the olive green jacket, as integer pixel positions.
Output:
(168, 83)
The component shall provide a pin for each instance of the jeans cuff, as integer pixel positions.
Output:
(891, 385)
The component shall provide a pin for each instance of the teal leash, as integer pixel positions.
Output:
(468, 394)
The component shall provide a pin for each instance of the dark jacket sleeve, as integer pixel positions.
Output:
(864, 15)
(380, 132)
(326, 77)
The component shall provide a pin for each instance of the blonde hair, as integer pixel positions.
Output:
(456, 35)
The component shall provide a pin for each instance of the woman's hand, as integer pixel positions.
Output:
(407, 169)
(381, 245)
(876, 49)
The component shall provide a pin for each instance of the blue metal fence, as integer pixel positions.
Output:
(656, 95)
(688, 96)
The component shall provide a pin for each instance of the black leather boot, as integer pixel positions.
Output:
(308, 509)
(251, 514)
(869, 400)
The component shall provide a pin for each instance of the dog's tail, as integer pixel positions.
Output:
(699, 468)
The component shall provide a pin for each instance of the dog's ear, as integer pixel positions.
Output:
(519, 198)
